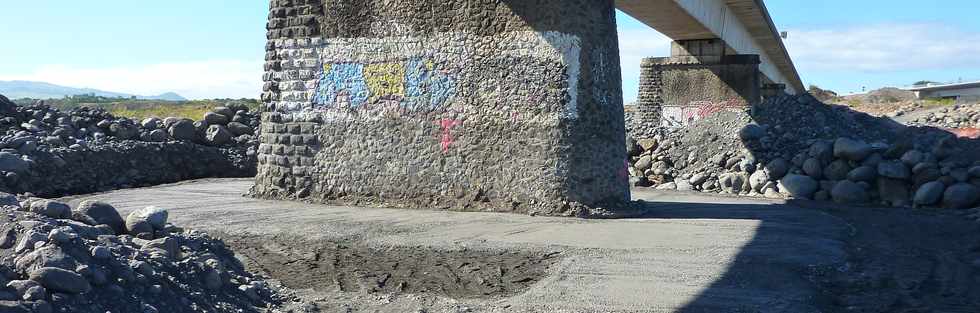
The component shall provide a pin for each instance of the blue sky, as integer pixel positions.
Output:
(214, 48)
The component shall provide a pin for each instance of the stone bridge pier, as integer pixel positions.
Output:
(701, 77)
(489, 105)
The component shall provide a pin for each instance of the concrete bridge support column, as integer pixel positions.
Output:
(490, 105)
(699, 79)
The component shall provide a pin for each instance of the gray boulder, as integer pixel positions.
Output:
(822, 151)
(215, 119)
(183, 130)
(893, 192)
(777, 168)
(10, 162)
(643, 164)
(813, 168)
(102, 214)
(850, 149)
(226, 111)
(929, 193)
(52, 209)
(894, 169)
(913, 157)
(733, 182)
(123, 131)
(758, 180)
(848, 192)
(961, 196)
(862, 173)
(837, 170)
(157, 135)
(218, 135)
(238, 129)
(141, 223)
(60, 280)
(150, 123)
(752, 132)
(799, 186)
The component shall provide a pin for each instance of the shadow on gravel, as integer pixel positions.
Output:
(834, 258)
(776, 270)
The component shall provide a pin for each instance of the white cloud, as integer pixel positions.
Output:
(634, 45)
(193, 80)
(885, 48)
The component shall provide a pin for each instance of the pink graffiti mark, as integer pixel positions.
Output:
(447, 136)
(702, 109)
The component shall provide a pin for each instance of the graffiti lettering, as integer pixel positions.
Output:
(682, 116)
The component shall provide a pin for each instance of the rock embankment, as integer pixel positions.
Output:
(799, 147)
(54, 258)
(954, 117)
(50, 153)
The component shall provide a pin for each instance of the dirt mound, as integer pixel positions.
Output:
(883, 95)
(89, 259)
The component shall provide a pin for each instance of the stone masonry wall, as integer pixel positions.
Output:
(499, 105)
(677, 91)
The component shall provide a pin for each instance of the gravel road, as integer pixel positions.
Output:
(689, 253)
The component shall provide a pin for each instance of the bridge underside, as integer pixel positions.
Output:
(744, 27)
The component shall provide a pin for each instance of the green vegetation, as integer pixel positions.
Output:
(937, 102)
(136, 108)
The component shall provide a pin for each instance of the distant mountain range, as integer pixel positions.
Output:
(39, 90)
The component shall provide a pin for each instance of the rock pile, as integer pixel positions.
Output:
(796, 146)
(39, 126)
(957, 116)
(54, 258)
(52, 153)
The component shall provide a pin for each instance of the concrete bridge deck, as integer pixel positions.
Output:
(744, 25)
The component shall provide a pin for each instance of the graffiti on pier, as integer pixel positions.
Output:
(411, 85)
(677, 116)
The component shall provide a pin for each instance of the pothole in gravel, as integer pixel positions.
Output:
(326, 265)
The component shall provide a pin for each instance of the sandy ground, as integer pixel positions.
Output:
(689, 253)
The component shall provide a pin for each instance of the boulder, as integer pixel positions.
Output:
(102, 213)
(823, 151)
(913, 157)
(758, 180)
(158, 135)
(215, 119)
(893, 192)
(812, 168)
(143, 222)
(848, 192)
(862, 173)
(777, 168)
(894, 169)
(632, 148)
(733, 183)
(238, 129)
(799, 186)
(648, 144)
(123, 131)
(10, 162)
(183, 130)
(961, 196)
(60, 280)
(929, 193)
(226, 111)
(752, 132)
(854, 150)
(644, 163)
(218, 135)
(837, 170)
(52, 209)
(150, 123)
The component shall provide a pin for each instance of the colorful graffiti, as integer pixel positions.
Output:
(414, 84)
